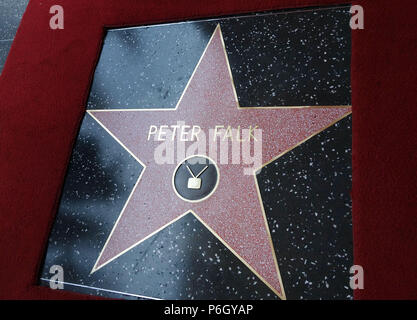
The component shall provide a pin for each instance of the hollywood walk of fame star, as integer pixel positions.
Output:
(234, 212)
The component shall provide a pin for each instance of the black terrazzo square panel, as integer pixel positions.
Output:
(282, 59)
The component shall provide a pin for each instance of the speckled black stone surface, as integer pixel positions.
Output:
(306, 195)
(291, 58)
(4, 51)
(183, 261)
(295, 58)
(11, 12)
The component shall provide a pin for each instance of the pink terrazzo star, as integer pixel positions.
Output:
(234, 212)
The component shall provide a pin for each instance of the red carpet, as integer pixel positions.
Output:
(44, 87)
